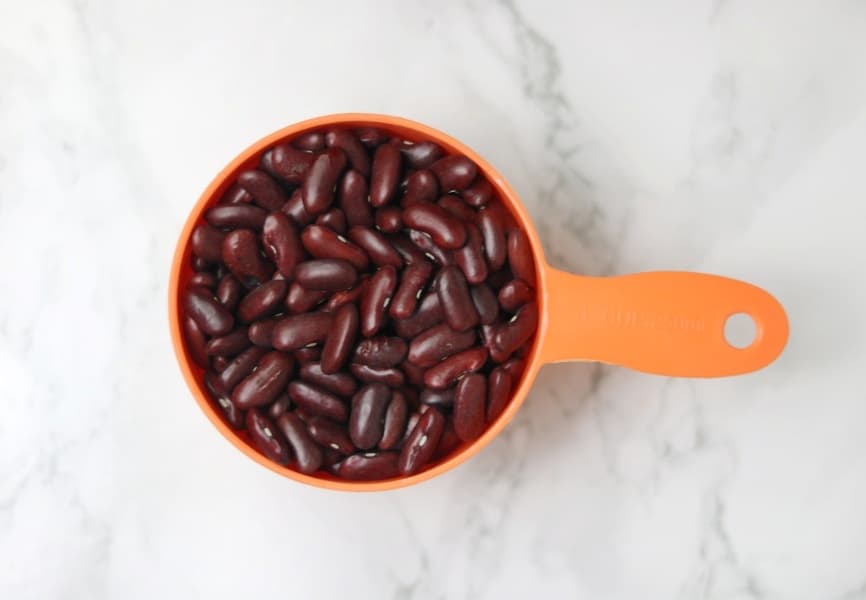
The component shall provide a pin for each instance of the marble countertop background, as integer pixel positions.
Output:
(726, 136)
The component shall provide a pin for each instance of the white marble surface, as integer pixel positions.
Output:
(719, 135)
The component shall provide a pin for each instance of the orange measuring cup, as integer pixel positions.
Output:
(666, 323)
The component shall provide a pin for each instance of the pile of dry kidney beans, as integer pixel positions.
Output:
(361, 304)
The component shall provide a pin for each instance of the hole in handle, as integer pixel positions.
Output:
(740, 330)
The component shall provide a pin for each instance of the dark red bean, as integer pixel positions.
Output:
(323, 242)
(261, 332)
(421, 186)
(311, 141)
(369, 466)
(330, 435)
(318, 189)
(520, 256)
(281, 405)
(203, 279)
(414, 373)
(294, 208)
(389, 219)
(514, 367)
(479, 193)
(438, 342)
(230, 344)
(306, 355)
(352, 198)
(449, 441)
(421, 155)
(377, 294)
(219, 363)
(490, 223)
(515, 294)
(265, 383)
(426, 244)
(469, 400)
(371, 137)
(455, 207)
(380, 352)
(335, 219)
(470, 258)
(384, 175)
(301, 300)
(441, 399)
(235, 216)
(266, 437)
(263, 189)
(421, 443)
(412, 283)
(196, 342)
(308, 455)
(206, 242)
(317, 401)
(391, 377)
(239, 367)
(301, 330)
(454, 172)
(342, 336)
(408, 251)
(395, 421)
(447, 231)
(229, 291)
(455, 366)
(516, 332)
(287, 163)
(231, 413)
(211, 316)
(348, 143)
(343, 297)
(376, 246)
(281, 243)
(341, 384)
(457, 305)
(242, 256)
(499, 392)
(236, 195)
(329, 274)
(428, 314)
(367, 419)
(263, 300)
(200, 264)
(485, 303)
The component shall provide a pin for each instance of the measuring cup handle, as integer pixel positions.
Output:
(666, 322)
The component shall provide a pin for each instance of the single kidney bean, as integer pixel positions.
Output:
(294, 208)
(265, 383)
(241, 254)
(479, 193)
(421, 186)
(231, 413)
(230, 344)
(425, 243)
(376, 246)
(200, 264)
(513, 334)
(206, 242)
(308, 354)
(228, 291)
(318, 188)
(239, 367)
(421, 155)
(317, 401)
(441, 399)
(300, 300)
(266, 437)
(385, 174)
(457, 305)
(367, 419)
(264, 190)
(335, 219)
(485, 303)
(341, 384)
(414, 374)
(340, 339)
(371, 137)
(454, 172)
(368, 466)
(203, 279)
(308, 455)
(352, 198)
(330, 435)
(407, 250)
(196, 341)
(514, 367)
(455, 207)
(263, 300)
(281, 243)
(311, 141)
(236, 195)
(211, 316)
(421, 443)
(330, 274)
(488, 333)
(438, 342)
(301, 330)
(455, 366)
(515, 294)
(429, 313)
(281, 405)
(323, 242)
(380, 352)
(490, 222)
(235, 216)
(377, 294)
(348, 143)
(412, 283)
(445, 230)
(287, 163)
(390, 376)
(470, 258)
(395, 421)
(469, 399)
(499, 392)
(520, 256)
(344, 297)
(448, 442)
(389, 219)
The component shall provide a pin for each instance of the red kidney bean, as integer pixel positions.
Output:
(421, 155)
(429, 313)
(341, 384)
(352, 198)
(514, 367)
(323, 242)
(300, 299)
(490, 222)
(380, 352)
(515, 294)
(239, 367)
(412, 283)
(425, 243)
(281, 243)
(308, 455)
(516, 332)
(230, 344)
(469, 399)
(367, 419)
(196, 341)
(485, 303)
(455, 207)
(264, 191)
(391, 377)
(263, 300)
(421, 443)
(479, 193)
(470, 258)
(499, 392)
(368, 466)
(287, 163)
(488, 333)
(445, 230)
(371, 137)
(301, 330)
(407, 250)
(206, 242)
(454, 172)
(520, 256)
(266, 437)
(279, 406)
(294, 208)
(261, 332)
(330, 435)
(265, 383)
(311, 141)
(414, 374)
(231, 413)
(376, 246)
(335, 219)
(318, 188)
(211, 316)
(329, 274)
(348, 143)
(203, 279)
(241, 254)
(200, 264)
(236, 195)
(309, 354)
(234, 216)
(441, 399)
(457, 305)
(228, 291)
(421, 186)
(342, 336)
(344, 297)
(455, 366)
(377, 294)
(438, 342)
(317, 401)
(385, 174)
(449, 441)
(389, 219)
(395, 421)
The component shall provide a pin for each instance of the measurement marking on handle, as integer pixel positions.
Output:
(639, 319)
